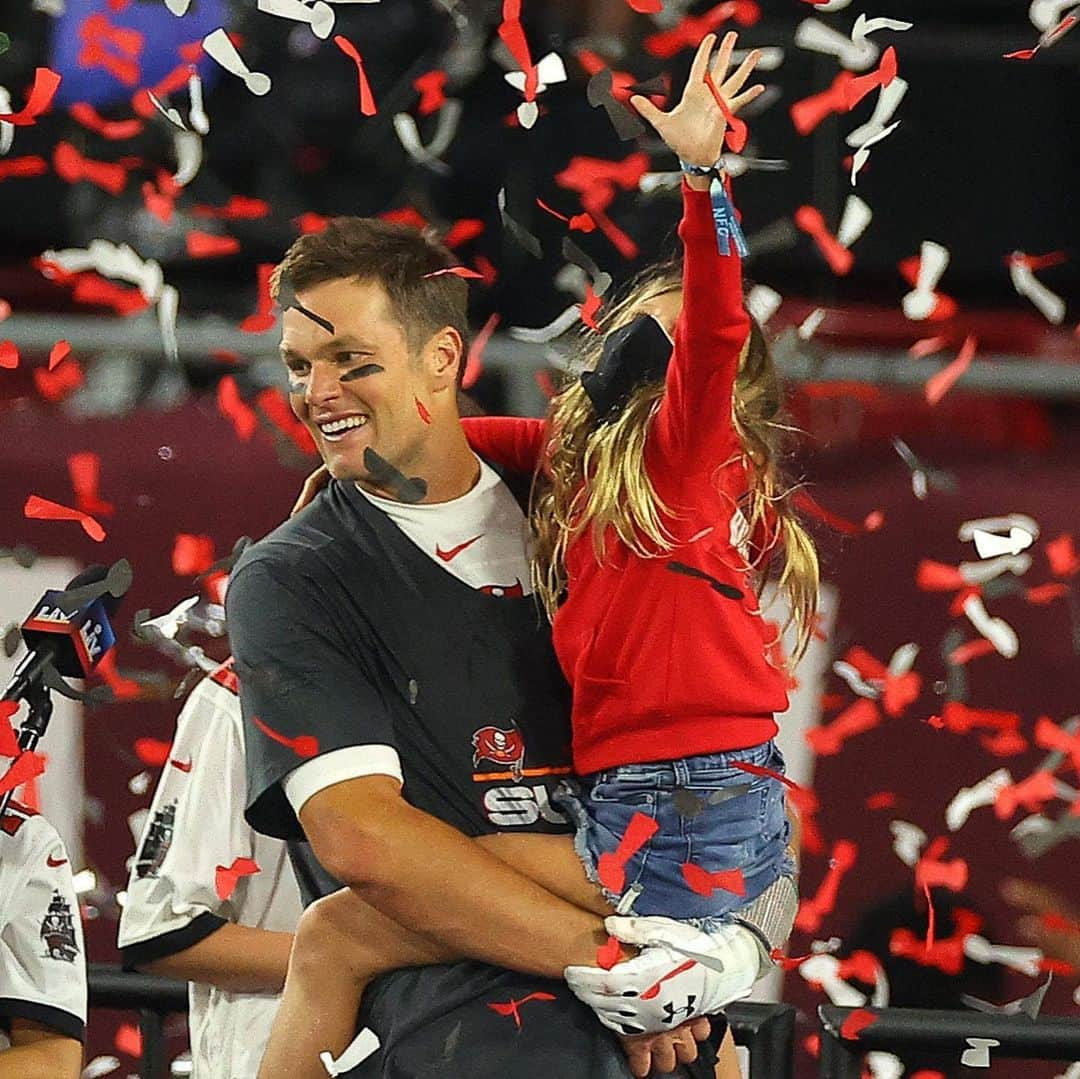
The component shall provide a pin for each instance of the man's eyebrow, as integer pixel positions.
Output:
(336, 344)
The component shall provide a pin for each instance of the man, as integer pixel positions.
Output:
(42, 956)
(399, 689)
(185, 916)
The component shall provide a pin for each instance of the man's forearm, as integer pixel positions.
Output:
(427, 876)
(236, 958)
(50, 1058)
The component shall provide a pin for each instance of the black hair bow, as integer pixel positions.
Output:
(633, 355)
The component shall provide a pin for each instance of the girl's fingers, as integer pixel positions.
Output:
(720, 65)
(648, 111)
(734, 83)
(701, 60)
(736, 103)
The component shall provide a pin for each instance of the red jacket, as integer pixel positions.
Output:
(662, 664)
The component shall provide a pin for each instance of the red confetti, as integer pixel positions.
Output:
(202, 245)
(859, 87)
(152, 751)
(705, 883)
(474, 364)
(9, 355)
(1030, 794)
(461, 232)
(235, 409)
(970, 650)
(115, 130)
(858, 718)
(692, 28)
(882, 800)
(58, 353)
(813, 910)
(85, 472)
(41, 509)
(607, 955)
(590, 307)
(56, 385)
(275, 405)
(367, 99)
(856, 1022)
(263, 319)
(238, 208)
(161, 203)
(9, 743)
(654, 989)
(128, 1040)
(513, 37)
(72, 167)
(931, 919)
(25, 767)
(1046, 593)
(1004, 743)
(938, 385)
(422, 410)
(933, 576)
(1061, 553)
(808, 504)
(124, 689)
(811, 221)
(39, 99)
(960, 718)
(192, 555)
(646, 7)
(122, 68)
(407, 215)
(26, 166)
(304, 745)
(810, 111)
(944, 306)
(457, 271)
(611, 865)
(227, 877)
(932, 872)
(511, 1007)
(431, 87)
(862, 965)
(737, 131)
(1048, 735)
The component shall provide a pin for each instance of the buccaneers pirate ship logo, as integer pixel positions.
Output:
(499, 747)
(156, 843)
(58, 931)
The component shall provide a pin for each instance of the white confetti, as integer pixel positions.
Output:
(1024, 960)
(445, 129)
(823, 970)
(989, 568)
(169, 623)
(527, 112)
(1051, 306)
(996, 630)
(220, 49)
(319, 16)
(968, 529)
(908, 841)
(978, 1056)
(188, 149)
(920, 302)
(763, 302)
(903, 659)
(814, 35)
(167, 309)
(854, 221)
(171, 115)
(359, 1049)
(862, 154)
(100, 1066)
(7, 129)
(809, 325)
(1046, 14)
(196, 112)
(549, 70)
(541, 334)
(864, 26)
(112, 260)
(990, 545)
(178, 7)
(983, 793)
(888, 101)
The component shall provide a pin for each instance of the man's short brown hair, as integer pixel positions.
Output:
(397, 256)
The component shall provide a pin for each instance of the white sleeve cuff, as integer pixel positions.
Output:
(324, 771)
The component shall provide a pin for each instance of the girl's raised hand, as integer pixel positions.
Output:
(694, 129)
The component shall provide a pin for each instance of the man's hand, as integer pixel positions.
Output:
(312, 486)
(665, 1052)
(1052, 923)
(680, 974)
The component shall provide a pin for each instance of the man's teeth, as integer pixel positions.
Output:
(338, 427)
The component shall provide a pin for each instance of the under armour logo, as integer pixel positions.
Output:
(670, 1011)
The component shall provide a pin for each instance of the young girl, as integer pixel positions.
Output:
(658, 511)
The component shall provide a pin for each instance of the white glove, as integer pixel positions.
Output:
(681, 973)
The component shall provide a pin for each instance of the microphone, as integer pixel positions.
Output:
(70, 629)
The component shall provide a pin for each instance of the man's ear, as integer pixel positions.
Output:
(446, 353)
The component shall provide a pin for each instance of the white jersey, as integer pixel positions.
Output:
(42, 955)
(196, 825)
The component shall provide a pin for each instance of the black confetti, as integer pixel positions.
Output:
(730, 591)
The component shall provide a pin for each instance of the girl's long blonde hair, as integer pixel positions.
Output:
(592, 475)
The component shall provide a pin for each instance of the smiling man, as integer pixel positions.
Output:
(401, 697)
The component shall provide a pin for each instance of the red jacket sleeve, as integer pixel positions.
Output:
(693, 427)
(512, 441)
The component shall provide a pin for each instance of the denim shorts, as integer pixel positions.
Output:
(710, 814)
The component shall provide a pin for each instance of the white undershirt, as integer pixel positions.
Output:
(482, 539)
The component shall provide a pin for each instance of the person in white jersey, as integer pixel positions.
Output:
(186, 915)
(42, 955)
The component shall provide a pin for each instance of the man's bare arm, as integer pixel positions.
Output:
(428, 876)
(237, 958)
(38, 1052)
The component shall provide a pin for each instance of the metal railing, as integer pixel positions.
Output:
(766, 1030)
(1048, 1037)
(152, 997)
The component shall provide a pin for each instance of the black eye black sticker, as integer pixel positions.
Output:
(717, 586)
(382, 472)
(363, 371)
(287, 298)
